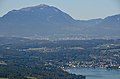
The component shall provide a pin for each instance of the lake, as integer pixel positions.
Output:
(95, 73)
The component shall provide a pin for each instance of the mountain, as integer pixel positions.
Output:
(109, 26)
(48, 20)
(34, 20)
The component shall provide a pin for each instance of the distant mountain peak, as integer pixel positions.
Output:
(45, 19)
(41, 6)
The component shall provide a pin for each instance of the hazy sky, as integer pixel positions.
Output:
(78, 9)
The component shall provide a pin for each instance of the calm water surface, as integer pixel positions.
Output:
(97, 73)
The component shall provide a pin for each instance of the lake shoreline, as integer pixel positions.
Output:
(95, 73)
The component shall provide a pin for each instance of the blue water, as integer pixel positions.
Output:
(97, 73)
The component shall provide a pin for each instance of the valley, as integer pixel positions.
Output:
(27, 58)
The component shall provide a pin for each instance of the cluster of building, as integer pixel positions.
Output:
(93, 64)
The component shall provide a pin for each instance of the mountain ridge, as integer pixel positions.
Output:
(44, 19)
